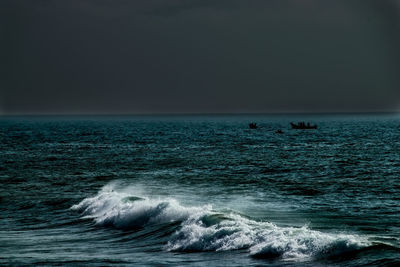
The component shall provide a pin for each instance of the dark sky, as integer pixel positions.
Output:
(128, 56)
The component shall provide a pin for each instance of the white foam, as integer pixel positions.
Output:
(262, 239)
(110, 207)
(204, 229)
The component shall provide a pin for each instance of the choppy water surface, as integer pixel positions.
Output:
(200, 190)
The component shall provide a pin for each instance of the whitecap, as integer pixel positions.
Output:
(205, 229)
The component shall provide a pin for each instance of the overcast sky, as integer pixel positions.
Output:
(127, 56)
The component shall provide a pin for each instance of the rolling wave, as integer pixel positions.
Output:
(203, 228)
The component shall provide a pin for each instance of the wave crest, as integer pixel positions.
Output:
(262, 239)
(124, 211)
(204, 229)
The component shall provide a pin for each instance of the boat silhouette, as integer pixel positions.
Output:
(303, 126)
(253, 125)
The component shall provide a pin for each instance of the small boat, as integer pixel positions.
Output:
(303, 126)
(253, 125)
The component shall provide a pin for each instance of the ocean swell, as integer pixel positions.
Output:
(206, 229)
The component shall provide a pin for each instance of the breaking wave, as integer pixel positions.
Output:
(203, 228)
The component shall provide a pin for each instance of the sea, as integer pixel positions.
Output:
(200, 190)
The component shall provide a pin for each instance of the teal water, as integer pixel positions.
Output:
(200, 190)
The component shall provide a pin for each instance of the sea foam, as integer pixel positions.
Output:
(205, 229)
(124, 211)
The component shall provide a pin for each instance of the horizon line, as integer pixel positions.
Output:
(112, 114)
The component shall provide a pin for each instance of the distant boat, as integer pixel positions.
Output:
(253, 125)
(303, 126)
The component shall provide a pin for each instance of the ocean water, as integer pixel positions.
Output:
(200, 191)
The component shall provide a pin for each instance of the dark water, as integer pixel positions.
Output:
(201, 191)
